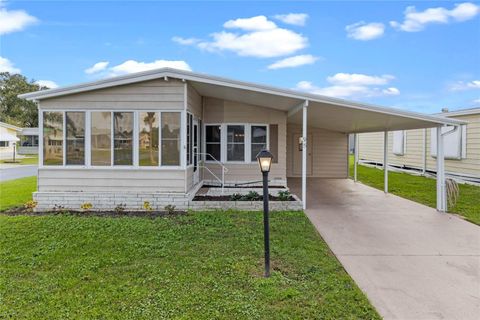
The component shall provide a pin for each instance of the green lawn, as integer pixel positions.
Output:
(29, 159)
(206, 265)
(422, 190)
(16, 192)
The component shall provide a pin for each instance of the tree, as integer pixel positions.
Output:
(149, 120)
(14, 110)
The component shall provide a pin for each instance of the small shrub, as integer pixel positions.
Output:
(59, 208)
(147, 206)
(284, 195)
(120, 208)
(170, 209)
(252, 196)
(30, 205)
(86, 206)
(236, 197)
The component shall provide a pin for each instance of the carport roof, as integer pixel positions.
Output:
(323, 112)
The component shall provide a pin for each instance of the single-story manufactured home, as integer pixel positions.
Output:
(416, 150)
(159, 135)
(8, 140)
(28, 143)
(17, 140)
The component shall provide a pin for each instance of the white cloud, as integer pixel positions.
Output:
(296, 19)
(7, 66)
(47, 83)
(417, 20)
(462, 85)
(392, 91)
(14, 20)
(258, 37)
(345, 85)
(185, 41)
(97, 67)
(250, 24)
(292, 62)
(131, 66)
(365, 31)
(359, 79)
(476, 101)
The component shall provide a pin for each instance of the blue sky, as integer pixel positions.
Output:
(420, 56)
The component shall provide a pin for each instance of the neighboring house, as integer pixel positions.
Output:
(93, 150)
(28, 141)
(416, 150)
(8, 140)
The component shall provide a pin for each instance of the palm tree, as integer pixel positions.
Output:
(149, 121)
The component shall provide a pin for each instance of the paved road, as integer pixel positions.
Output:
(410, 260)
(19, 171)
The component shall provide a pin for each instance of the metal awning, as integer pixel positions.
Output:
(324, 112)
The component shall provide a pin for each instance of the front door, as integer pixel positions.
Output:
(297, 154)
(196, 145)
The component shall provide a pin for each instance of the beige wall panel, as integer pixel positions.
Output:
(81, 179)
(329, 152)
(194, 102)
(156, 94)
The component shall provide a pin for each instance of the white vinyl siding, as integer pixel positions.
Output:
(371, 149)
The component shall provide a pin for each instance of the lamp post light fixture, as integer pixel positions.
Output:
(264, 158)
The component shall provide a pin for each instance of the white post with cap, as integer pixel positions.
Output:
(355, 156)
(441, 192)
(385, 161)
(304, 155)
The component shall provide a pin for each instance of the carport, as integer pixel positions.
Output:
(352, 118)
(412, 262)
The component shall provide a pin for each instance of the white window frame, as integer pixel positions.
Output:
(88, 124)
(84, 165)
(462, 146)
(223, 140)
(404, 144)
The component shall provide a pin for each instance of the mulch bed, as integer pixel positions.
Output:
(20, 211)
(229, 198)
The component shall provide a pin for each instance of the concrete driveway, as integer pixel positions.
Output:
(410, 260)
(12, 171)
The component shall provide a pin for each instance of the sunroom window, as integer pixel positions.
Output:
(148, 124)
(75, 143)
(171, 138)
(101, 138)
(123, 138)
(235, 143)
(53, 138)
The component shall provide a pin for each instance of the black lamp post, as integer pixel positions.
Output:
(264, 158)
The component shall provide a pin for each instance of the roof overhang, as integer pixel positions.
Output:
(323, 112)
(10, 126)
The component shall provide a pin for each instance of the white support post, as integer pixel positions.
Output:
(441, 192)
(355, 156)
(385, 161)
(40, 138)
(424, 152)
(304, 155)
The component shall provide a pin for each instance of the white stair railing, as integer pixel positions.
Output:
(224, 169)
